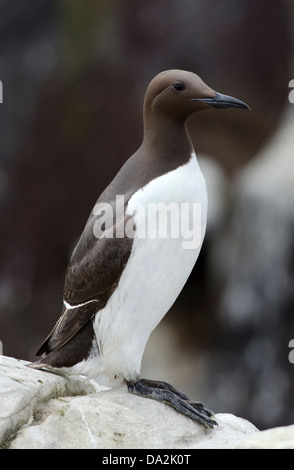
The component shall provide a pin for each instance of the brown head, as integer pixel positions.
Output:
(177, 94)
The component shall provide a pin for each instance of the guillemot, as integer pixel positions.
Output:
(121, 280)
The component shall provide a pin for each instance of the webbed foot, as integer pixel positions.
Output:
(166, 393)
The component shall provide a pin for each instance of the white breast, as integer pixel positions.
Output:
(155, 274)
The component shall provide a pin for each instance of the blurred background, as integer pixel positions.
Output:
(74, 75)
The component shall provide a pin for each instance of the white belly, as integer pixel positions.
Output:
(155, 274)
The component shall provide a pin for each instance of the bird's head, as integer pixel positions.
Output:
(178, 94)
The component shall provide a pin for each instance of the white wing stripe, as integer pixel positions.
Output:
(68, 306)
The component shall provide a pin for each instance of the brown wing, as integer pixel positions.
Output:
(92, 275)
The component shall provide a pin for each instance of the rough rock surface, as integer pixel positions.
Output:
(275, 438)
(42, 410)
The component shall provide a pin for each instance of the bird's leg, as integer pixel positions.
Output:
(166, 393)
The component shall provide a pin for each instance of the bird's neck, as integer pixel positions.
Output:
(167, 138)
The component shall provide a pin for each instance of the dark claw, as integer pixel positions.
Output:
(166, 393)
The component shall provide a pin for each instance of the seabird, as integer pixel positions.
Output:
(121, 281)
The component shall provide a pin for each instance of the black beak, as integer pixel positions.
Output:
(223, 101)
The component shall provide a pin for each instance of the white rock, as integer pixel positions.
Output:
(275, 438)
(40, 410)
(24, 390)
(117, 420)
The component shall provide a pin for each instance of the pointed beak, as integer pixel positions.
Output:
(223, 101)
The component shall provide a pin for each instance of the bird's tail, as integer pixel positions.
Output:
(39, 365)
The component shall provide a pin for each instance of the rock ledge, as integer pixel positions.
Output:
(41, 410)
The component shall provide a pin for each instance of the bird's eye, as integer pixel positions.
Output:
(179, 86)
